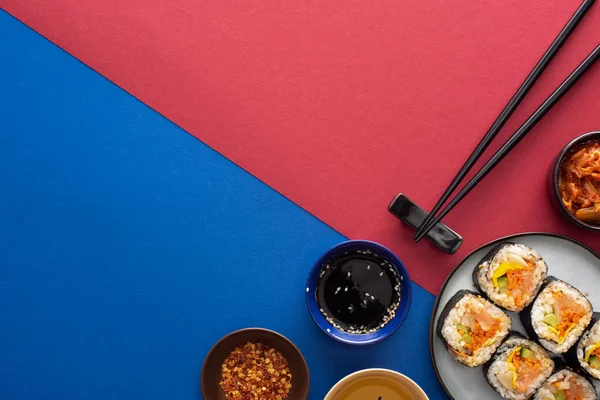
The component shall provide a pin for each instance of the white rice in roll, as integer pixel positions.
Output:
(517, 377)
(559, 316)
(512, 277)
(588, 351)
(566, 385)
(473, 329)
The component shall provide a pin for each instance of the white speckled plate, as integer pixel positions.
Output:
(567, 259)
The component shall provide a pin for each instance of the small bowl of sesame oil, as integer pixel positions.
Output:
(376, 384)
(358, 292)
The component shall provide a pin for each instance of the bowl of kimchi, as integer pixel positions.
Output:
(575, 181)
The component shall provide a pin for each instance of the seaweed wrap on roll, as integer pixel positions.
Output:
(585, 355)
(510, 275)
(558, 316)
(566, 385)
(519, 368)
(472, 328)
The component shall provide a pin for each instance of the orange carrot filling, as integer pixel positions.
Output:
(569, 315)
(521, 280)
(527, 369)
(479, 336)
(458, 353)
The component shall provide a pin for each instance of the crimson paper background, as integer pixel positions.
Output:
(339, 105)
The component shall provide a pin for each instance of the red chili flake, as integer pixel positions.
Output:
(255, 372)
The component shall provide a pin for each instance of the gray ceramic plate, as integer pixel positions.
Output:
(567, 259)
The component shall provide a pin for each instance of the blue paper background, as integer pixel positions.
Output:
(127, 247)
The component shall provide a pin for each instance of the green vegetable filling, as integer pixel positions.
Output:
(503, 283)
(526, 353)
(551, 320)
(468, 339)
(560, 395)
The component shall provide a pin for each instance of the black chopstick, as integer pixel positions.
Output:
(508, 111)
(518, 135)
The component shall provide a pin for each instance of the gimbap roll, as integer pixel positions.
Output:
(518, 368)
(472, 328)
(585, 356)
(510, 275)
(558, 316)
(566, 385)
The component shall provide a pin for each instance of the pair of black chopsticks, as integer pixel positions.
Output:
(512, 105)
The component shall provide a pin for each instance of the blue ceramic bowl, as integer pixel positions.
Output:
(349, 338)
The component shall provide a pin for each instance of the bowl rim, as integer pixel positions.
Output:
(375, 370)
(350, 338)
(265, 331)
(555, 177)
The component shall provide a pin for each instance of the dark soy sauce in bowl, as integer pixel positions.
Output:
(358, 292)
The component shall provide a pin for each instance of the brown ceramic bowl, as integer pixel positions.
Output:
(211, 371)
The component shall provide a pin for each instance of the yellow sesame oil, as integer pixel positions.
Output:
(374, 388)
